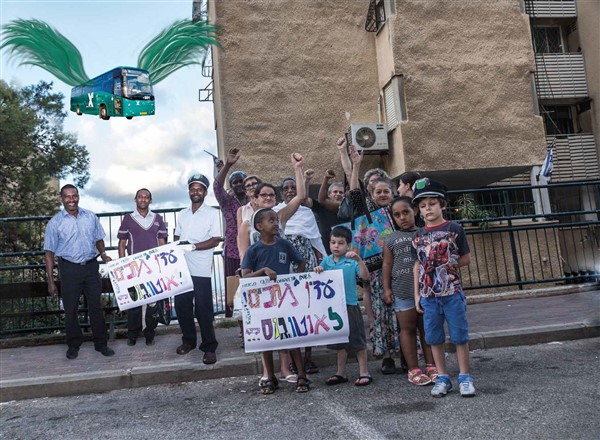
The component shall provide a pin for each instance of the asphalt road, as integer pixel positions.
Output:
(547, 391)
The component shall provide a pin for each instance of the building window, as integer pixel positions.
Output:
(558, 119)
(548, 39)
(375, 16)
(394, 102)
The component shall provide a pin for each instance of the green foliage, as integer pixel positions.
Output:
(34, 149)
(35, 43)
(182, 44)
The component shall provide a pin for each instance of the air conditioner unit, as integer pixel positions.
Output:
(368, 138)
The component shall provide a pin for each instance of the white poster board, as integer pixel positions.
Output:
(296, 310)
(148, 276)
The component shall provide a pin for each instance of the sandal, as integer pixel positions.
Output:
(268, 385)
(302, 384)
(432, 372)
(416, 377)
(388, 366)
(336, 379)
(291, 378)
(310, 367)
(363, 381)
(292, 367)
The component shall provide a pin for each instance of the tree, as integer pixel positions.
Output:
(35, 149)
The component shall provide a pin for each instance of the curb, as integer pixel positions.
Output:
(108, 380)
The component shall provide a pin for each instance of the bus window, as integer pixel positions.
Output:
(117, 87)
(138, 85)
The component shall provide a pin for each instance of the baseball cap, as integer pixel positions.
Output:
(428, 188)
(237, 174)
(199, 178)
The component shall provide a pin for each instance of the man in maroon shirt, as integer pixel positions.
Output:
(229, 203)
(141, 230)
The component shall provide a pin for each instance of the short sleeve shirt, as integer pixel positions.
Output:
(276, 257)
(73, 238)
(351, 270)
(141, 233)
(400, 245)
(197, 227)
(438, 250)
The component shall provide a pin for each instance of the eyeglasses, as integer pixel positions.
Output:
(251, 185)
(267, 196)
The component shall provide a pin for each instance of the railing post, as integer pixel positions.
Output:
(511, 236)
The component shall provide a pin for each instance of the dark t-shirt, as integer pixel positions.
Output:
(438, 250)
(326, 220)
(277, 256)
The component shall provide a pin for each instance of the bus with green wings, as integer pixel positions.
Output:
(122, 91)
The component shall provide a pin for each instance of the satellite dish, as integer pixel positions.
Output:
(365, 137)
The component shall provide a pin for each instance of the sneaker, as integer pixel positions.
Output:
(106, 351)
(149, 340)
(442, 387)
(466, 387)
(131, 341)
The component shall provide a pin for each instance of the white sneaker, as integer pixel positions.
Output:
(466, 388)
(442, 387)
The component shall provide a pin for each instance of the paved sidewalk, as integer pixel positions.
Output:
(39, 371)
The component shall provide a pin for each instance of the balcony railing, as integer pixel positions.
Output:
(560, 75)
(575, 157)
(551, 9)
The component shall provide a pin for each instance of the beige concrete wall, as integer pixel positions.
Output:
(468, 91)
(289, 70)
(588, 25)
(287, 73)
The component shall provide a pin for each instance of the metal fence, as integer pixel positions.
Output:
(22, 261)
(521, 237)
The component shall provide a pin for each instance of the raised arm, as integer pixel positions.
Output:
(308, 175)
(324, 192)
(342, 146)
(232, 157)
(291, 208)
(356, 161)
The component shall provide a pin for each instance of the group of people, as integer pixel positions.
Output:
(416, 289)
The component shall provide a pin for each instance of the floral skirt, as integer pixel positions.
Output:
(386, 331)
(303, 245)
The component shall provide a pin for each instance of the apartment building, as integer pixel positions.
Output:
(472, 93)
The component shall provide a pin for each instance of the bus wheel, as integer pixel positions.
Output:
(103, 113)
(78, 111)
(129, 117)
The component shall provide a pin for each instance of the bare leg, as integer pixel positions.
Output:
(439, 356)
(363, 369)
(408, 337)
(284, 363)
(424, 345)
(267, 362)
(342, 357)
(462, 356)
(296, 355)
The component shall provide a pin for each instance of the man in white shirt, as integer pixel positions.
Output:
(198, 224)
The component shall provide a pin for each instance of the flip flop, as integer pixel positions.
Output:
(310, 367)
(291, 378)
(336, 379)
(358, 382)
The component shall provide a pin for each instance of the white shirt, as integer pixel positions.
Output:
(196, 227)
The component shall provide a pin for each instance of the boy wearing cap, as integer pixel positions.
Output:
(230, 203)
(198, 224)
(441, 248)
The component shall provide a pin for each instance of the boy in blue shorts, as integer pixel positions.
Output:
(441, 248)
(352, 266)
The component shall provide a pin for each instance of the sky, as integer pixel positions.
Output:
(157, 152)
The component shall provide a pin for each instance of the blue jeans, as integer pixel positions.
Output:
(453, 310)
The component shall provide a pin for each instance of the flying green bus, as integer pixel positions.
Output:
(123, 91)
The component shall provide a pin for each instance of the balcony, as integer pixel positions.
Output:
(575, 157)
(560, 75)
(551, 9)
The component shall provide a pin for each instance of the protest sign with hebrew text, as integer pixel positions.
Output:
(296, 310)
(150, 275)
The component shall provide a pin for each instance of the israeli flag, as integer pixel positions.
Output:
(548, 164)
